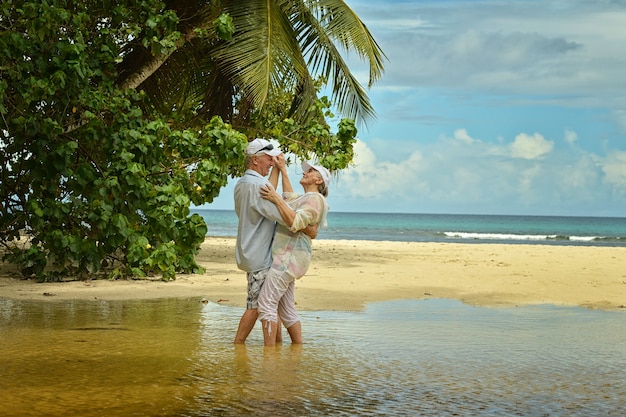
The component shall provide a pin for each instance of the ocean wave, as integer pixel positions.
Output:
(585, 238)
(511, 236)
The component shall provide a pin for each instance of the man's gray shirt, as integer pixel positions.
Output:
(257, 220)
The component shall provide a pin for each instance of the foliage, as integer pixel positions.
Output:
(311, 138)
(101, 158)
(277, 46)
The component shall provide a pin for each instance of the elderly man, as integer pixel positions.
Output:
(255, 232)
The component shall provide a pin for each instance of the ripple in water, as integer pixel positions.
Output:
(401, 358)
(429, 357)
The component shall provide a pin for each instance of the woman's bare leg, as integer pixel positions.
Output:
(269, 332)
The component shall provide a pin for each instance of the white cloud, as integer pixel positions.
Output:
(370, 178)
(462, 176)
(614, 169)
(527, 179)
(570, 137)
(462, 135)
(530, 146)
(619, 116)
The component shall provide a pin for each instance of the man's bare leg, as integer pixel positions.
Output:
(245, 325)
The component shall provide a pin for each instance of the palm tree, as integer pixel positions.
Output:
(277, 46)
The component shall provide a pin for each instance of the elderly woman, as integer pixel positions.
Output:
(291, 249)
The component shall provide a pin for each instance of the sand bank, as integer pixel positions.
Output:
(345, 275)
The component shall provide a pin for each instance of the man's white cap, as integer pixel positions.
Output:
(262, 146)
(324, 173)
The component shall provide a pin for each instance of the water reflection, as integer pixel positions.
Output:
(429, 357)
(95, 358)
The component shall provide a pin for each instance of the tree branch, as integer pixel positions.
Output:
(145, 72)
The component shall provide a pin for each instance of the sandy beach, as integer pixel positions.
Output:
(346, 275)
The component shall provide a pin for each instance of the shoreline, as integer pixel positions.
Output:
(348, 274)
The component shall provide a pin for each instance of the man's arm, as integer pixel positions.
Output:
(311, 230)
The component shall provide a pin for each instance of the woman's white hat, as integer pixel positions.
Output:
(324, 173)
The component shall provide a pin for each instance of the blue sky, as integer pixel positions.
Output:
(491, 107)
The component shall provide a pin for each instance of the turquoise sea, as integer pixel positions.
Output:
(558, 230)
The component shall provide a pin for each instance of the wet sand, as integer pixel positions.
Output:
(346, 275)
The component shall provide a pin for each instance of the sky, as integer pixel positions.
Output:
(490, 107)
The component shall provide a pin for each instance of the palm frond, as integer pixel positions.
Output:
(263, 53)
(325, 26)
(278, 46)
(340, 23)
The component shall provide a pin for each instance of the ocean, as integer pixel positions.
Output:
(457, 228)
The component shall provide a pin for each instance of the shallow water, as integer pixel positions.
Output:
(402, 358)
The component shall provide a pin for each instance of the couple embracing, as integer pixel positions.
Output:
(274, 238)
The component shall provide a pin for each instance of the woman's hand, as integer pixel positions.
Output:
(279, 162)
(269, 193)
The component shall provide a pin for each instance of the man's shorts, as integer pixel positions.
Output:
(255, 282)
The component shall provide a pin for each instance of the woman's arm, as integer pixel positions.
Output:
(286, 212)
(280, 167)
(287, 188)
(276, 169)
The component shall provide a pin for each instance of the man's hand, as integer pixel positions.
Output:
(311, 230)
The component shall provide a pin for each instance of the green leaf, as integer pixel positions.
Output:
(224, 27)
